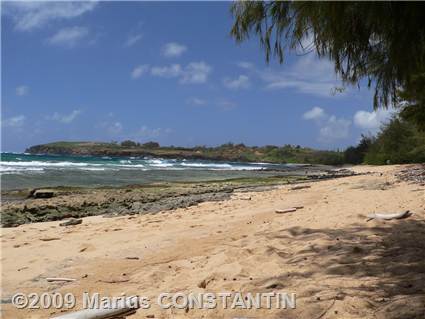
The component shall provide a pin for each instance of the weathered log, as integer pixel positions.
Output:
(60, 279)
(71, 222)
(383, 216)
(120, 310)
(299, 187)
(286, 210)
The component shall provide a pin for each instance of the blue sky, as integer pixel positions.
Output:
(167, 72)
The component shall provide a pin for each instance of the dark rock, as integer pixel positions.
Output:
(43, 193)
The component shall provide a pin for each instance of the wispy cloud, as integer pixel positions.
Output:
(146, 132)
(196, 72)
(331, 128)
(115, 128)
(193, 73)
(194, 101)
(139, 70)
(171, 71)
(14, 122)
(64, 118)
(29, 15)
(308, 75)
(226, 105)
(241, 82)
(173, 49)
(133, 39)
(22, 90)
(68, 37)
(111, 126)
(245, 65)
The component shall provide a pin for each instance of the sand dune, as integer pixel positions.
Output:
(338, 264)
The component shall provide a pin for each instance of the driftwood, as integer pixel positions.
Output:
(244, 198)
(60, 279)
(118, 311)
(286, 210)
(299, 187)
(71, 222)
(49, 238)
(114, 281)
(382, 216)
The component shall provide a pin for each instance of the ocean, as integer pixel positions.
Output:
(21, 170)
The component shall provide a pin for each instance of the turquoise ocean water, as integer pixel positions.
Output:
(20, 170)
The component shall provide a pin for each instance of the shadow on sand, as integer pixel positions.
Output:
(373, 270)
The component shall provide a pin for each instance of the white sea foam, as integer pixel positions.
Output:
(47, 164)
(162, 165)
(13, 170)
(139, 164)
(207, 165)
(223, 166)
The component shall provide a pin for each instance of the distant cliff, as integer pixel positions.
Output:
(225, 152)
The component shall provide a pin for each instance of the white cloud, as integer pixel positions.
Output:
(22, 90)
(139, 70)
(196, 72)
(316, 113)
(241, 82)
(133, 39)
(372, 121)
(171, 71)
(334, 129)
(193, 73)
(330, 127)
(196, 101)
(29, 15)
(68, 37)
(64, 118)
(14, 122)
(173, 49)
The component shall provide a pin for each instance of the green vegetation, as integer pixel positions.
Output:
(128, 143)
(398, 142)
(225, 152)
(356, 154)
(382, 42)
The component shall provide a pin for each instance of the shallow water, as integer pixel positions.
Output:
(19, 170)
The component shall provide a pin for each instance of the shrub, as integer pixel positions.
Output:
(128, 143)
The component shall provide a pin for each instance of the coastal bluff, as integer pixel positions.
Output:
(225, 152)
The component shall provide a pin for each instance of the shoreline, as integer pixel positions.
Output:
(20, 206)
(338, 263)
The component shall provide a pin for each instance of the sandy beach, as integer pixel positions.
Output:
(337, 263)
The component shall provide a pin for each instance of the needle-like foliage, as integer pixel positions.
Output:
(383, 42)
